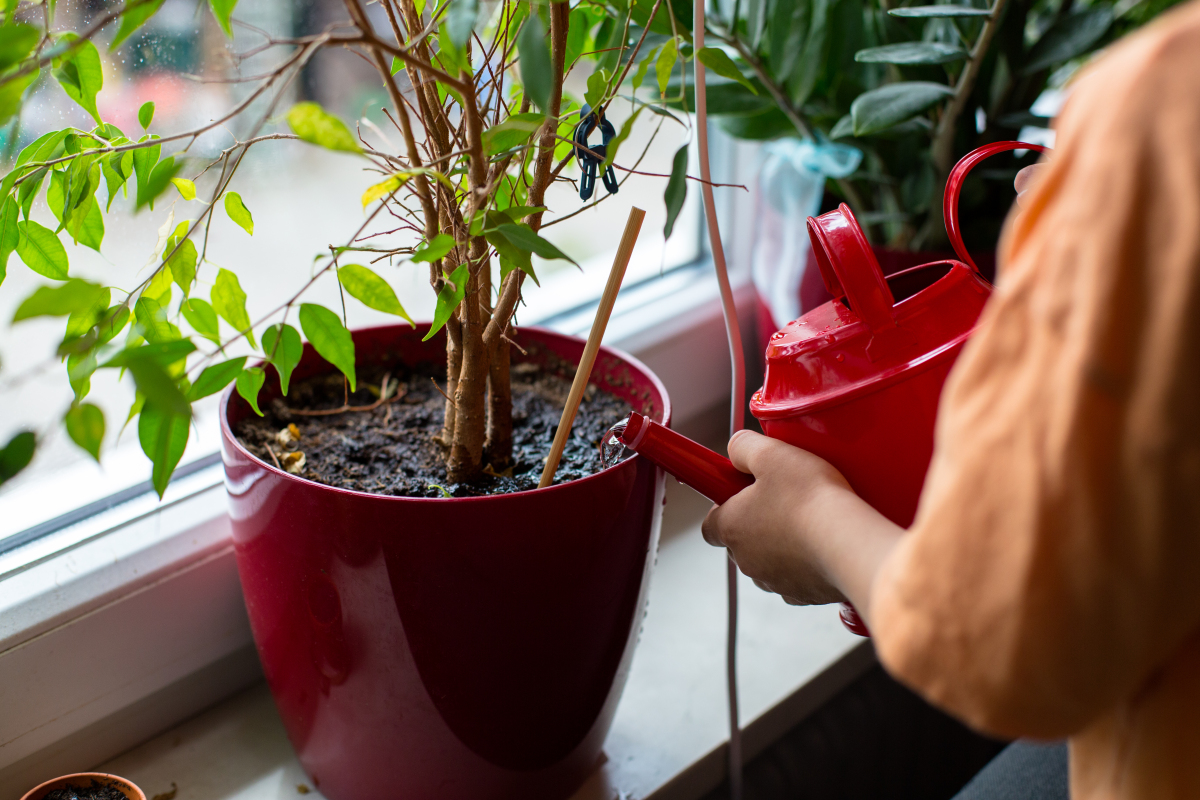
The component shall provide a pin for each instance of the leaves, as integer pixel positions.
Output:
(1068, 38)
(511, 133)
(676, 191)
(215, 378)
(229, 301)
(249, 382)
(719, 62)
(524, 237)
(181, 260)
(450, 295)
(314, 124)
(911, 53)
(146, 114)
(85, 426)
(203, 319)
(144, 161)
(157, 182)
(597, 88)
(429, 252)
(329, 338)
(221, 11)
(537, 72)
(282, 347)
(11, 92)
(371, 290)
(146, 364)
(163, 435)
(383, 189)
(17, 42)
(81, 77)
(926, 12)
(17, 454)
(882, 108)
(238, 212)
(152, 318)
(619, 139)
(41, 250)
(133, 19)
(460, 21)
(666, 64)
(60, 301)
(187, 189)
(8, 234)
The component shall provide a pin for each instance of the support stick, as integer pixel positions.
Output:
(584, 371)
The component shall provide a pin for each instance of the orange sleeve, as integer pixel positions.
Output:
(1055, 558)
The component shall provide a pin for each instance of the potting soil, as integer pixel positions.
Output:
(391, 449)
(97, 791)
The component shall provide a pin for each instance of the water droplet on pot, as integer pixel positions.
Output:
(840, 357)
(612, 449)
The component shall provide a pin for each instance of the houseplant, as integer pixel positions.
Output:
(341, 620)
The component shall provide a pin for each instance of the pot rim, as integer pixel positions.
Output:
(127, 786)
(228, 438)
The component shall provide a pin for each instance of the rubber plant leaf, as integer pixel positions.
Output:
(880, 109)
(371, 290)
(329, 338)
(949, 10)
(1068, 38)
(85, 426)
(911, 54)
(283, 348)
(215, 378)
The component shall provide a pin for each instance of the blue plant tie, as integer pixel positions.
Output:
(591, 156)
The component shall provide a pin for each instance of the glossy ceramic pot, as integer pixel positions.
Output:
(467, 648)
(84, 780)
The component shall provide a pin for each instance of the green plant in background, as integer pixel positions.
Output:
(915, 87)
(476, 93)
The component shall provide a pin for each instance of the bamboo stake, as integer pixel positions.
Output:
(584, 371)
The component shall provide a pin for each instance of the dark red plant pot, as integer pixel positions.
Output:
(466, 648)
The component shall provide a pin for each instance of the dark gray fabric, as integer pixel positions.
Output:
(1022, 771)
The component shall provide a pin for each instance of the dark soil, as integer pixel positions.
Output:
(96, 791)
(391, 450)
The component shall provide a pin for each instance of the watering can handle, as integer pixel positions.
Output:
(954, 185)
(849, 267)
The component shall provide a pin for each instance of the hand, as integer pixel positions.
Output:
(771, 526)
(1025, 180)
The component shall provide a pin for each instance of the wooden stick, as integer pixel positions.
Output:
(584, 371)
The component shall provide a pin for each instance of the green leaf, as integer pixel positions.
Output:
(881, 108)
(511, 256)
(383, 189)
(597, 87)
(314, 124)
(41, 250)
(152, 318)
(524, 237)
(200, 315)
(158, 181)
(1068, 38)
(229, 301)
(161, 354)
(248, 385)
(843, 128)
(11, 93)
(429, 252)
(144, 161)
(163, 435)
(159, 388)
(619, 139)
(643, 67)
(329, 338)
(676, 191)
(159, 288)
(146, 114)
(911, 53)
(577, 33)
(113, 179)
(17, 454)
(85, 426)
(238, 212)
(371, 290)
(62, 300)
(222, 10)
(666, 64)
(719, 62)
(187, 189)
(215, 378)
(8, 234)
(183, 263)
(17, 42)
(81, 77)
(511, 133)
(87, 224)
(460, 21)
(925, 12)
(537, 72)
(449, 297)
(283, 348)
(112, 322)
(133, 19)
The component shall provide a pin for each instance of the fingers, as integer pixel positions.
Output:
(711, 527)
(1025, 180)
(744, 446)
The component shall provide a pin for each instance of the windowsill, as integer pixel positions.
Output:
(668, 737)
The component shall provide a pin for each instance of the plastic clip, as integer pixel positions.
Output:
(589, 156)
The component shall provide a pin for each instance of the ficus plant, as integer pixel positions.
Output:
(476, 95)
(915, 85)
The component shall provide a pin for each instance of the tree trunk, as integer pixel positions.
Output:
(499, 434)
(470, 397)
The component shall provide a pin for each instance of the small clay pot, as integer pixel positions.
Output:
(84, 779)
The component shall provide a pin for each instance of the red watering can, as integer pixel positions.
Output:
(856, 380)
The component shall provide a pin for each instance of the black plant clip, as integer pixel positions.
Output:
(591, 156)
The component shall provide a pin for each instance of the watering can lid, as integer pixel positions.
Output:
(864, 339)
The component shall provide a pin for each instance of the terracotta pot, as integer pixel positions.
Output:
(84, 780)
(448, 648)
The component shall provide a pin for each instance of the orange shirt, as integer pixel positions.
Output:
(1050, 585)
